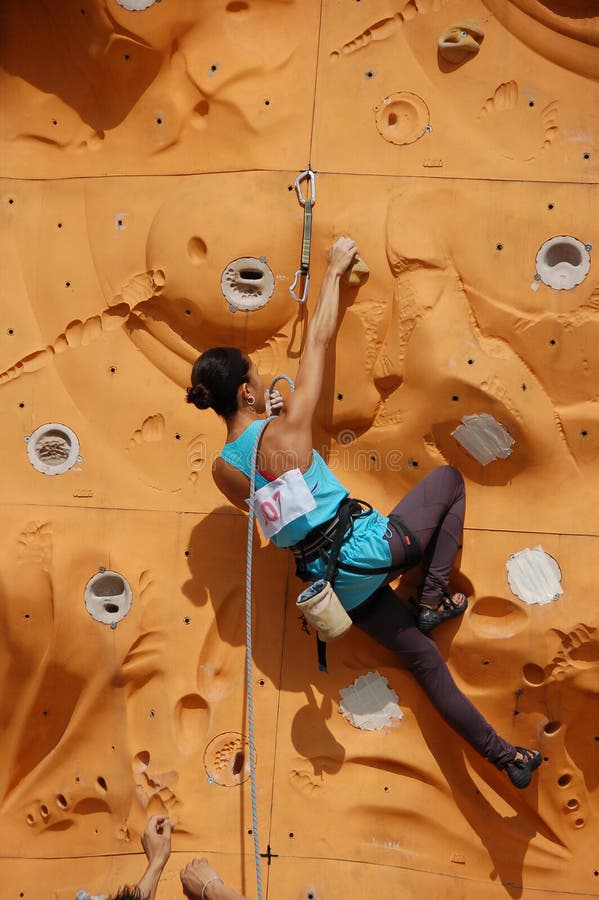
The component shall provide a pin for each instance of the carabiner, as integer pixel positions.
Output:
(308, 176)
(301, 273)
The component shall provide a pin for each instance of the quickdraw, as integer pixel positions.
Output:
(302, 276)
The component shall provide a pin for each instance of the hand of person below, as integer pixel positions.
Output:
(342, 254)
(196, 877)
(201, 882)
(274, 402)
(156, 839)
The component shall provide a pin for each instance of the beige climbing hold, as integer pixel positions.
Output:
(357, 272)
(460, 41)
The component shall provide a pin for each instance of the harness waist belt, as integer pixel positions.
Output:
(321, 537)
(318, 543)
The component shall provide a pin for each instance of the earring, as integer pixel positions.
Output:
(250, 400)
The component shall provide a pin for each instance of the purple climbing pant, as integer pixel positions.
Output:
(434, 512)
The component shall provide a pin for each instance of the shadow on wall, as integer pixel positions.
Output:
(217, 549)
(81, 55)
(217, 559)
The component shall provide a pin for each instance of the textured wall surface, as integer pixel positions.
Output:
(141, 153)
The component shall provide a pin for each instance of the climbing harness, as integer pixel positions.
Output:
(303, 273)
(248, 641)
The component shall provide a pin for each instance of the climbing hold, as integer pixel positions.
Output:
(53, 449)
(534, 576)
(247, 283)
(108, 597)
(484, 438)
(227, 759)
(357, 272)
(136, 5)
(369, 703)
(563, 262)
(402, 118)
(461, 41)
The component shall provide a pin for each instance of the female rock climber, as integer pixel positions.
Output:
(425, 526)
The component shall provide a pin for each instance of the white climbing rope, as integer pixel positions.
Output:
(248, 643)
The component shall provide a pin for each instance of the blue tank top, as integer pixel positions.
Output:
(326, 490)
(365, 548)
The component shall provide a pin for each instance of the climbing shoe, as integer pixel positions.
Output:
(450, 607)
(520, 771)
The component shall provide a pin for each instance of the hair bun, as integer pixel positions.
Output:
(200, 396)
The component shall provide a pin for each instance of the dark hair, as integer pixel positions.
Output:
(127, 893)
(215, 379)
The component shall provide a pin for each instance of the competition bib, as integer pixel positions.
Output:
(282, 501)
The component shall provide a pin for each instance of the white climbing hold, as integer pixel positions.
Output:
(108, 597)
(563, 262)
(53, 448)
(136, 5)
(247, 283)
(369, 703)
(484, 438)
(534, 576)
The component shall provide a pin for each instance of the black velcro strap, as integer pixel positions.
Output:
(345, 513)
(321, 650)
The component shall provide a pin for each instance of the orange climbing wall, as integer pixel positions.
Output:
(144, 151)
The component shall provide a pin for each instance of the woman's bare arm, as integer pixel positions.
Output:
(321, 331)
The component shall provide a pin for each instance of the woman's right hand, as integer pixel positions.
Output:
(342, 254)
